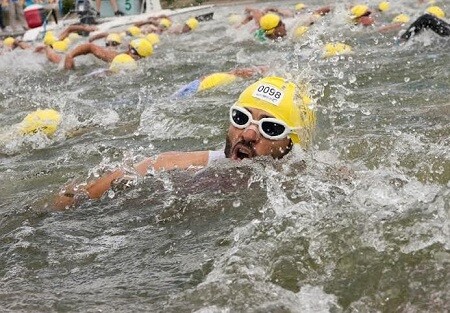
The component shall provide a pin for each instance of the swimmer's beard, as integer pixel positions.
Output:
(241, 150)
(237, 154)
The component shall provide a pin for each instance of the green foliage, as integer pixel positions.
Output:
(67, 5)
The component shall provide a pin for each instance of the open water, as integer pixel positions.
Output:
(364, 227)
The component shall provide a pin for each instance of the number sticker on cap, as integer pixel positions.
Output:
(268, 93)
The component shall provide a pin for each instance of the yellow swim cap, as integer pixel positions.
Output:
(300, 31)
(281, 99)
(74, 36)
(113, 37)
(436, 11)
(359, 10)
(46, 121)
(401, 18)
(299, 6)
(216, 79)
(123, 61)
(153, 38)
(8, 42)
(165, 22)
(134, 31)
(142, 46)
(384, 6)
(337, 48)
(234, 19)
(49, 38)
(269, 21)
(192, 23)
(60, 46)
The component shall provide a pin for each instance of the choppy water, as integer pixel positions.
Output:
(260, 236)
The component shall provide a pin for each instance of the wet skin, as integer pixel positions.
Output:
(249, 143)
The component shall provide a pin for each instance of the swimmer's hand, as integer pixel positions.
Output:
(69, 63)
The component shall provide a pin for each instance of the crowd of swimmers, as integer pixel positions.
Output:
(269, 118)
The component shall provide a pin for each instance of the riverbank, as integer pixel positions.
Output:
(176, 4)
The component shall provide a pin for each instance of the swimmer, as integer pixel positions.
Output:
(156, 24)
(268, 119)
(45, 122)
(270, 27)
(112, 40)
(433, 20)
(138, 49)
(218, 79)
(361, 15)
(188, 26)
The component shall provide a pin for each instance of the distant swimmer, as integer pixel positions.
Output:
(432, 20)
(137, 49)
(361, 15)
(42, 121)
(215, 80)
(189, 25)
(268, 119)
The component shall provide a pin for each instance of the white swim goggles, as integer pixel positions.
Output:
(271, 128)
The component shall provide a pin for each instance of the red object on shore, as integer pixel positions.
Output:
(34, 15)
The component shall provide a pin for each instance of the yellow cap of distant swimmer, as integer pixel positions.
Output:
(215, 80)
(359, 10)
(74, 36)
(384, 6)
(134, 31)
(401, 18)
(123, 61)
(153, 38)
(60, 46)
(49, 38)
(436, 11)
(8, 41)
(234, 19)
(113, 37)
(336, 48)
(281, 99)
(269, 21)
(299, 6)
(165, 22)
(192, 23)
(300, 31)
(142, 46)
(46, 121)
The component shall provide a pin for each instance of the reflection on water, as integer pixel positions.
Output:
(363, 227)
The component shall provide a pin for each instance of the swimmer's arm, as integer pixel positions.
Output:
(98, 36)
(323, 10)
(151, 21)
(21, 44)
(52, 56)
(164, 162)
(248, 72)
(86, 48)
(390, 27)
(282, 12)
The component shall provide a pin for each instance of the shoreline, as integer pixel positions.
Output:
(190, 3)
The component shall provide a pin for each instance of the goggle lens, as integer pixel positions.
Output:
(272, 129)
(269, 128)
(112, 43)
(240, 118)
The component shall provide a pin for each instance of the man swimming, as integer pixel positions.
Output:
(268, 119)
(137, 49)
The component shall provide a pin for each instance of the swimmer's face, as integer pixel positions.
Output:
(249, 142)
(279, 31)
